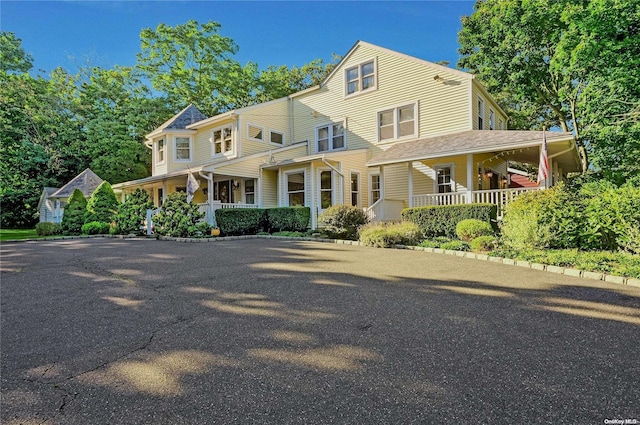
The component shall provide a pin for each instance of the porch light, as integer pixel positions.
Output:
(489, 174)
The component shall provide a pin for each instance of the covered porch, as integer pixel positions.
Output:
(466, 167)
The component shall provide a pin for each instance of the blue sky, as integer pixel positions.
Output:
(69, 33)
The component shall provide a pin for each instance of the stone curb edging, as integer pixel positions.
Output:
(568, 271)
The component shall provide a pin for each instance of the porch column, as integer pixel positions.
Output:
(470, 175)
(410, 170)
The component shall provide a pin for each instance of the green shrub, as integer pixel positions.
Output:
(441, 220)
(483, 243)
(74, 211)
(48, 229)
(95, 228)
(240, 221)
(293, 219)
(342, 221)
(178, 218)
(471, 228)
(456, 245)
(383, 235)
(102, 205)
(596, 216)
(132, 213)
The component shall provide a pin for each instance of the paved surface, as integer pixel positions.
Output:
(105, 331)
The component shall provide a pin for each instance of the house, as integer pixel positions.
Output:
(383, 131)
(53, 200)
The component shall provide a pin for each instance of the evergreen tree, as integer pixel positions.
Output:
(74, 212)
(103, 205)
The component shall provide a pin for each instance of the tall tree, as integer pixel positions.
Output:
(193, 63)
(562, 63)
(13, 58)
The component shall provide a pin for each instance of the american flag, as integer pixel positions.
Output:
(543, 168)
(192, 186)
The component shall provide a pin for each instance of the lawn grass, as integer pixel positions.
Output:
(12, 234)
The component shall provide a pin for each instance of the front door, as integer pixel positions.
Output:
(223, 192)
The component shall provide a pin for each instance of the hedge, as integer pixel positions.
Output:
(288, 219)
(442, 220)
(249, 221)
(240, 221)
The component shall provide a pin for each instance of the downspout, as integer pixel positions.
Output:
(331, 166)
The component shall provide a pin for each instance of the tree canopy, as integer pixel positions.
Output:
(563, 63)
(55, 126)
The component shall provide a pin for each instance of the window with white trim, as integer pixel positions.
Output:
(375, 188)
(295, 189)
(222, 140)
(330, 137)
(355, 189)
(250, 191)
(183, 148)
(500, 124)
(492, 120)
(360, 78)
(444, 179)
(480, 113)
(160, 151)
(326, 189)
(397, 123)
(255, 133)
(276, 137)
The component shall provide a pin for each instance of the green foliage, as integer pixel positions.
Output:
(48, 229)
(472, 228)
(240, 221)
(132, 213)
(13, 58)
(564, 63)
(442, 220)
(178, 218)
(483, 243)
(102, 205)
(616, 263)
(96, 228)
(290, 234)
(596, 215)
(383, 235)
(342, 221)
(74, 211)
(456, 245)
(295, 219)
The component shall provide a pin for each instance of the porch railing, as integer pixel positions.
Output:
(385, 210)
(500, 197)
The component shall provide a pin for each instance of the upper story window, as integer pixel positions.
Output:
(222, 140)
(480, 113)
(255, 133)
(183, 148)
(397, 123)
(160, 151)
(500, 124)
(276, 137)
(361, 78)
(330, 137)
(492, 120)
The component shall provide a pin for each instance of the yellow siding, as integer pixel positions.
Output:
(442, 106)
(269, 188)
(489, 103)
(270, 116)
(395, 182)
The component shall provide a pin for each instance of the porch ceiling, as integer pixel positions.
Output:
(511, 143)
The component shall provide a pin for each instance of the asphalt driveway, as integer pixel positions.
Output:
(107, 331)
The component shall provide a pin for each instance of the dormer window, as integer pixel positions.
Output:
(361, 78)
